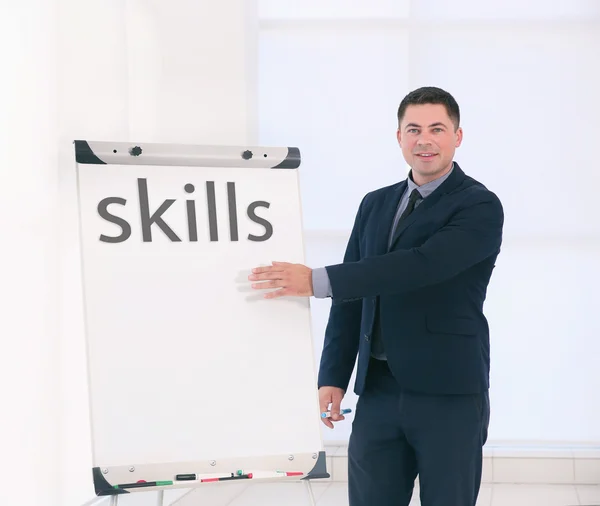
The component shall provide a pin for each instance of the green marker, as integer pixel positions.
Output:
(142, 484)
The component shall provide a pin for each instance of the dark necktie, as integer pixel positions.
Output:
(412, 200)
(377, 346)
(415, 196)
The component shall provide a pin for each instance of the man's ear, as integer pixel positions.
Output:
(399, 137)
(459, 136)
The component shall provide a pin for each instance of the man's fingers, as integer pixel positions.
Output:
(326, 421)
(336, 408)
(269, 271)
(330, 399)
(277, 293)
(268, 268)
(268, 284)
(324, 402)
(266, 275)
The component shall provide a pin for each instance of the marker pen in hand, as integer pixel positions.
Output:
(327, 414)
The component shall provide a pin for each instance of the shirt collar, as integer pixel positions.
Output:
(428, 188)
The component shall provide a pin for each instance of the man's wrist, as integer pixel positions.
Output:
(320, 283)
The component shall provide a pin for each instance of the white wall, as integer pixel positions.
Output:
(331, 78)
(29, 424)
(180, 72)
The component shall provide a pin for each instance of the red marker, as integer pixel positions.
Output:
(290, 473)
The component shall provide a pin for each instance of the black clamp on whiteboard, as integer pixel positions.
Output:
(320, 470)
(102, 487)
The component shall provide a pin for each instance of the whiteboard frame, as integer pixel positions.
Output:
(313, 465)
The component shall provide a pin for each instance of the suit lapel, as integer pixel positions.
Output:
(410, 219)
(456, 177)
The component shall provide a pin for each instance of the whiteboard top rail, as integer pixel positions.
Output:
(131, 153)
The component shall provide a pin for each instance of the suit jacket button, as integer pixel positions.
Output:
(367, 337)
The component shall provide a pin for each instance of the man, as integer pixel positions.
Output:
(408, 299)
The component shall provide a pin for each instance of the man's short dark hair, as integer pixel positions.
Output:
(431, 95)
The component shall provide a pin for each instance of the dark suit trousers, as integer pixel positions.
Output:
(397, 435)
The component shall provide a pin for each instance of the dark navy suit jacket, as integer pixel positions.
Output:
(431, 285)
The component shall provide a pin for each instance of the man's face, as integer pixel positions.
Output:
(428, 141)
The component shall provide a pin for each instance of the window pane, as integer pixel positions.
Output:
(544, 341)
(335, 95)
(269, 9)
(530, 114)
(506, 9)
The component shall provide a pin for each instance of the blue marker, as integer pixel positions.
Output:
(327, 414)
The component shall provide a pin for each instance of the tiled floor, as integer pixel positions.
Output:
(335, 494)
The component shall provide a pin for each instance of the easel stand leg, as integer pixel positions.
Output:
(309, 491)
(161, 498)
(114, 500)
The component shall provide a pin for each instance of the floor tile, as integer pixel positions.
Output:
(488, 470)
(588, 494)
(265, 494)
(171, 496)
(292, 494)
(485, 495)
(340, 469)
(217, 494)
(533, 470)
(534, 495)
(587, 471)
(484, 498)
(335, 495)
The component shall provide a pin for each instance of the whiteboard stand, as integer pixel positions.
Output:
(311, 495)
(184, 358)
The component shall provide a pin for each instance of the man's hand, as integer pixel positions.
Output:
(290, 279)
(333, 396)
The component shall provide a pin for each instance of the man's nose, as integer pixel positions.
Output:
(423, 140)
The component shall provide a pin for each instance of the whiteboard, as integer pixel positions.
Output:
(190, 370)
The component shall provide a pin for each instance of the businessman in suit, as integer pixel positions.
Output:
(408, 301)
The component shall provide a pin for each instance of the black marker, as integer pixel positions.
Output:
(232, 477)
(186, 477)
